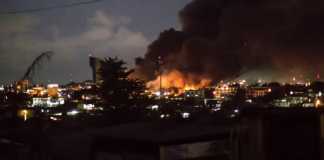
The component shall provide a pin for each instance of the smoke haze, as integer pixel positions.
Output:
(228, 39)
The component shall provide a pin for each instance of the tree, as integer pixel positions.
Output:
(117, 89)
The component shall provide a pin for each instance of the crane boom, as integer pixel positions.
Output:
(29, 74)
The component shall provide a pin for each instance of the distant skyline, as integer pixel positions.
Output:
(106, 28)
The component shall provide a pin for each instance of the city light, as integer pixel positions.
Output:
(47, 102)
(185, 115)
(88, 107)
(158, 93)
(318, 103)
(24, 114)
(72, 113)
(54, 118)
(216, 109)
(155, 107)
(58, 114)
(185, 80)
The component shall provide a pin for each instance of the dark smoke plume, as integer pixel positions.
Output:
(224, 39)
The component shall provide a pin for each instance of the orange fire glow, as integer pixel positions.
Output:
(176, 79)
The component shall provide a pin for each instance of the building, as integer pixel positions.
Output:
(225, 90)
(53, 90)
(47, 102)
(165, 142)
(194, 93)
(37, 91)
(22, 85)
(95, 64)
(254, 92)
(281, 134)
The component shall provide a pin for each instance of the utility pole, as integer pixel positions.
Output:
(160, 62)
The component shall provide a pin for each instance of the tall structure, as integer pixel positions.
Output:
(160, 62)
(36, 65)
(95, 64)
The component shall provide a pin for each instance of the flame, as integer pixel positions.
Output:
(175, 79)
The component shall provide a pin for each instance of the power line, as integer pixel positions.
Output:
(49, 7)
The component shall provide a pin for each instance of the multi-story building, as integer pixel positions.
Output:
(254, 92)
(22, 85)
(224, 90)
(96, 64)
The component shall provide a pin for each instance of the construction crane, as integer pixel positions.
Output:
(38, 61)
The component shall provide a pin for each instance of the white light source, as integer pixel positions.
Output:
(53, 118)
(47, 102)
(58, 114)
(72, 113)
(158, 93)
(216, 109)
(88, 106)
(25, 112)
(185, 115)
(155, 107)
(52, 86)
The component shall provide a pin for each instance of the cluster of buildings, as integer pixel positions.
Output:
(85, 94)
(53, 95)
(300, 98)
(53, 100)
(76, 97)
(267, 94)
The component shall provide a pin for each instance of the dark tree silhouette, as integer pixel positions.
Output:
(19, 99)
(117, 89)
(317, 86)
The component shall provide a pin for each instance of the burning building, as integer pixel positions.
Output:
(224, 90)
(177, 82)
(225, 40)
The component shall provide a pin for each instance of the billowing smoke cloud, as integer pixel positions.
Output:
(225, 39)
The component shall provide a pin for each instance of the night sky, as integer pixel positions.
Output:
(106, 28)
